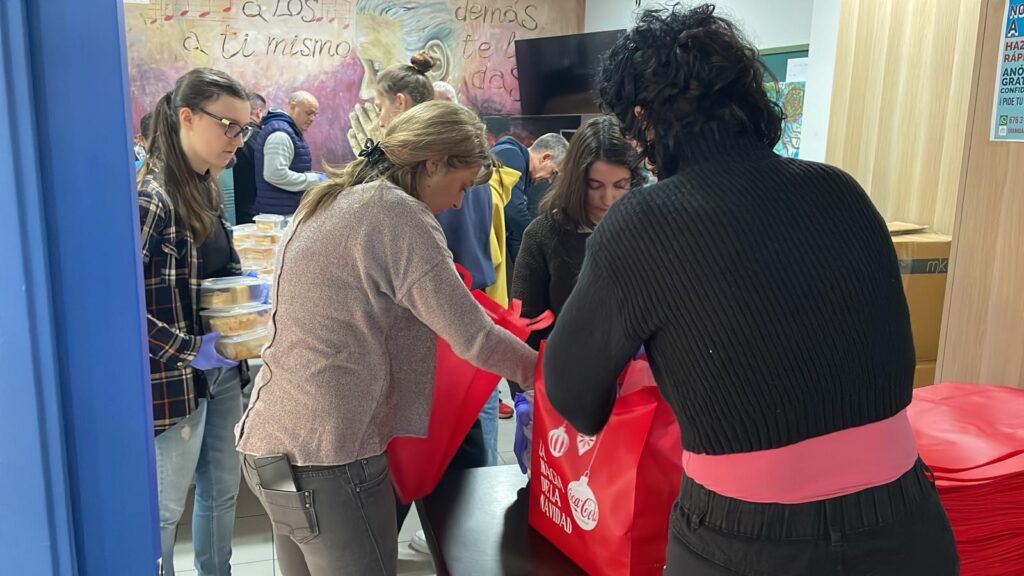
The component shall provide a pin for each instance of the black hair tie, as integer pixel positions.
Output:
(372, 152)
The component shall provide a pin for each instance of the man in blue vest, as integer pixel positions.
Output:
(283, 160)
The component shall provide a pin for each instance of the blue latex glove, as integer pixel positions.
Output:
(524, 417)
(320, 176)
(208, 357)
(264, 288)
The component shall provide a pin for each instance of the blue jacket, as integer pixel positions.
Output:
(517, 215)
(269, 198)
(468, 231)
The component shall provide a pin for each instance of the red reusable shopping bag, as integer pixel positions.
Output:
(605, 501)
(460, 392)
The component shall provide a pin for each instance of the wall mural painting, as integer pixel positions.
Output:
(335, 49)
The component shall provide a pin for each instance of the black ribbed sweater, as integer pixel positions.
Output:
(766, 291)
(549, 262)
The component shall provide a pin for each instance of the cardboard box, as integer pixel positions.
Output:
(924, 263)
(924, 374)
(897, 228)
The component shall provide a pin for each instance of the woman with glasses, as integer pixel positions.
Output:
(197, 393)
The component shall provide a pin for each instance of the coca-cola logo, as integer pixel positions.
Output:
(583, 504)
(587, 508)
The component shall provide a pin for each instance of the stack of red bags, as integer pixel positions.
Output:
(972, 437)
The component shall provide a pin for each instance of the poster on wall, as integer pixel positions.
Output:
(334, 49)
(790, 96)
(1008, 109)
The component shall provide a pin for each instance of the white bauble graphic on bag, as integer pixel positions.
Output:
(558, 441)
(584, 443)
(583, 503)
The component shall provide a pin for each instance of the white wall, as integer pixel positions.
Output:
(768, 23)
(820, 74)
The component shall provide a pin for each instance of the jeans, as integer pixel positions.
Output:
(202, 447)
(341, 522)
(489, 426)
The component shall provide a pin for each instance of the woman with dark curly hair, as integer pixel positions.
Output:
(767, 294)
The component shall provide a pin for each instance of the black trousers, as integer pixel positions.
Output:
(898, 529)
(471, 454)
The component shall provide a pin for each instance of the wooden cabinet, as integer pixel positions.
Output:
(910, 118)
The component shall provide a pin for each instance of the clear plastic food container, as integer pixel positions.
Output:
(238, 320)
(265, 239)
(244, 346)
(251, 252)
(261, 267)
(242, 234)
(269, 222)
(230, 292)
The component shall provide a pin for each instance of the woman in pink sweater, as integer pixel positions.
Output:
(365, 286)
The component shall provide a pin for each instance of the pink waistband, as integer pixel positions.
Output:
(819, 468)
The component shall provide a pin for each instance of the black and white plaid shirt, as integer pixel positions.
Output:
(170, 265)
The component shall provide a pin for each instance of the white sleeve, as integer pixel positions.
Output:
(278, 152)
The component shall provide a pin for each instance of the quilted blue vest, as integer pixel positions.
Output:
(269, 198)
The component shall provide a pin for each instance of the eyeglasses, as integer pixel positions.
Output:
(231, 129)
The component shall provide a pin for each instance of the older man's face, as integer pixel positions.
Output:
(304, 112)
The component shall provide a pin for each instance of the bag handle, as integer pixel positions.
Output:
(541, 322)
(467, 278)
(515, 308)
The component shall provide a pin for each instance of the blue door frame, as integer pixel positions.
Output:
(77, 478)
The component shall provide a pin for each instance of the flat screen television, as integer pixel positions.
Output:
(557, 73)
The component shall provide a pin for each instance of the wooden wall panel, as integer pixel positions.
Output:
(984, 320)
(900, 103)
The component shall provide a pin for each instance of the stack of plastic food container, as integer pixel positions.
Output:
(234, 307)
(257, 243)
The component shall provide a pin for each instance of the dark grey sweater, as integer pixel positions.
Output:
(550, 260)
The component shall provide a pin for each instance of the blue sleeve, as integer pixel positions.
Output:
(517, 213)
(468, 232)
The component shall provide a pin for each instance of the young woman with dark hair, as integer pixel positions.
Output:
(197, 393)
(767, 294)
(599, 168)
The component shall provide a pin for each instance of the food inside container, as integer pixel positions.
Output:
(269, 222)
(242, 234)
(230, 292)
(253, 252)
(236, 321)
(265, 239)
(244, 346)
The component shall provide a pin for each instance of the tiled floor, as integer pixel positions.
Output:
(253, 552)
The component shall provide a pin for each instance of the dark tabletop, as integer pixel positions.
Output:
(475, 523)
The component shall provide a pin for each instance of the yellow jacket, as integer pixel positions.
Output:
(502, 181)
